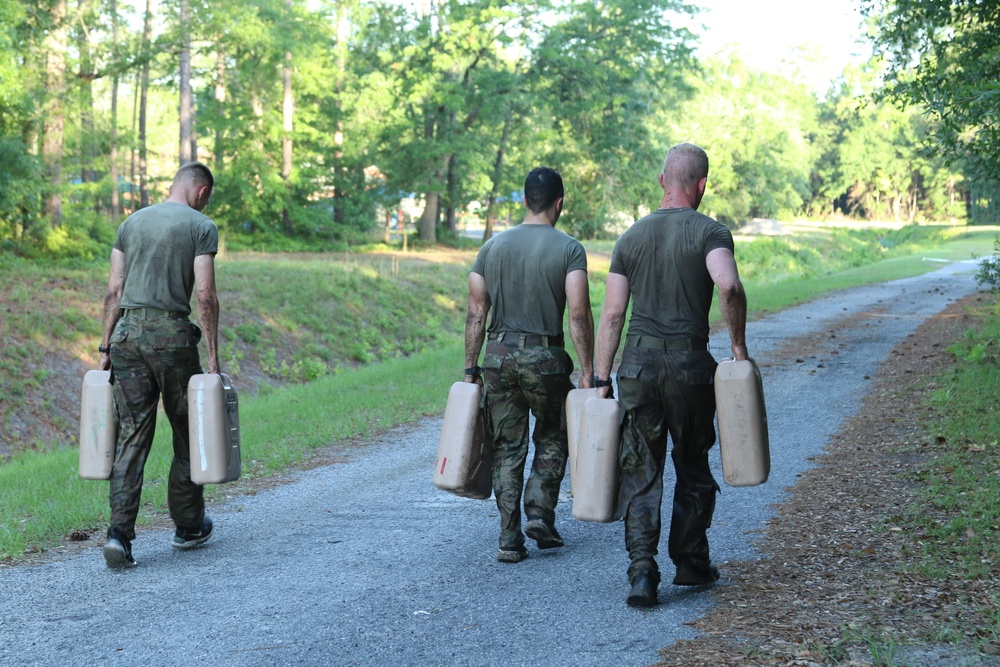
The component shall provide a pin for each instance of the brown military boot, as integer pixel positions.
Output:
(512, 554)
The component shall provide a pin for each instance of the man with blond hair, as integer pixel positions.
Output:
(669, 263)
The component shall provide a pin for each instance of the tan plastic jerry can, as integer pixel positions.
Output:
(743, 440)
(575, 401)
(464, 463)
(98, 426)
(595, 485)
(214, 429)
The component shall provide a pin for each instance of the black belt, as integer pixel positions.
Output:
(525, 339)
(665, 344)
(153, 314)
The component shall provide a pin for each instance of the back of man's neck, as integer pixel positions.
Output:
(537, 219)
(675, 202)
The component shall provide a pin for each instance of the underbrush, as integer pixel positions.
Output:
(775, 259)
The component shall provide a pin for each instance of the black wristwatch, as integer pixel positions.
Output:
(104, 349)
(475, 371)
(602, 383)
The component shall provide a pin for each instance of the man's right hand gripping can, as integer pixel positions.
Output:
(214, 429)
(743, 441)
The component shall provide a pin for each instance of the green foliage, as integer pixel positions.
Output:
(758, 129)
(988, 271)
(872, 167)
(602, 70)
(439, 113)
(956, 48)
(18, 197)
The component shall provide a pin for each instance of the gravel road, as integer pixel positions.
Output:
(367, 563)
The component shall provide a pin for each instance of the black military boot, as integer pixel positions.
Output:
(644, 582)
(118, 550)
(544, 533)
(695, 572)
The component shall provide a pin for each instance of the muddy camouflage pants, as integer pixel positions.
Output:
(519, 378)
(150, 358)
(665, 391)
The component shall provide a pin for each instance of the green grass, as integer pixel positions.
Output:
(958, 516)
(348, 345)
(314, 314)
(42, 498)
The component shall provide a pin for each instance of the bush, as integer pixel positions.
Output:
(988, 272)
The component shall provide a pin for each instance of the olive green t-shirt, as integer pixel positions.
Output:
(525, 270)
(663, 257)
(160, 243)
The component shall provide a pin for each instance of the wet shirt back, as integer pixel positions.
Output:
(663, 257)
(525, 270)
(160, 243)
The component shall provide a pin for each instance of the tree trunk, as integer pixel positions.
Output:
(113, 167)
(287, 112)
(55, 84)
(497, 175)
(432, 198)
(340, 173)
(220, 97)
(133, 192)
(452, 189)
(88, 152)
(428, 219)
(147, 35)
(188, 150)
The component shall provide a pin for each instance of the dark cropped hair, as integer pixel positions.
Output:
(542, 188)
(196, 172)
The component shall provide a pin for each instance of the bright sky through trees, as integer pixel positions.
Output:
(767, 33)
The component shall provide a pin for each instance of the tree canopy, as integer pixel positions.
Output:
(944, 57)
(328, 121)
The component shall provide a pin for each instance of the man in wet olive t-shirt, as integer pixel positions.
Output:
(669, 264)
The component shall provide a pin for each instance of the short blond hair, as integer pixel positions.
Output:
(685, 164)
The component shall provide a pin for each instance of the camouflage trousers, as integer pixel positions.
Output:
(150, 358)
(667, 392)
(519, 379)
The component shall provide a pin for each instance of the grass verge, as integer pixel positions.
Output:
(43, 499)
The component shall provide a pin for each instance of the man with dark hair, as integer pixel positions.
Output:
(527, 275)
(669, 263)
(160, 254)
